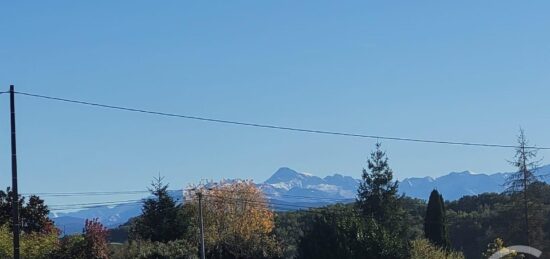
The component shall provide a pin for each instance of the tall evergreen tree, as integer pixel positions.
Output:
(435, 228)
(382, 208)
(519, 182)
(161, 218)
(377, 194)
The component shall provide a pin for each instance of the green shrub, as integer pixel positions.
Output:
(33, 245)
(178, 249)
(423, 249)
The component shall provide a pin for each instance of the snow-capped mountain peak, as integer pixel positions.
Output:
(287, 182)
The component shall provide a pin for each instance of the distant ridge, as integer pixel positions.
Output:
(287, 186)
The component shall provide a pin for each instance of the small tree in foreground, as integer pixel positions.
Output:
(95, 235)
(179, 249)
(33, 245)
(424, 249)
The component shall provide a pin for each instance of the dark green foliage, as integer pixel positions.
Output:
(435, 228)
(340, 231)
(73, 246)
(332, 232)
(415, 211)
(289, 230)
(468, 232)
(6, 202)
(162, 219)
(178, 249)
(380, 243)
(476, 202)
(377, 194)
(121, 233)
(475, 221)
(382, 207)
(546, 231)
(33, 214)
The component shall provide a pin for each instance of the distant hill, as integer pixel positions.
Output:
(109, 216)
(457, 184)
(288, 189)
(454, 185)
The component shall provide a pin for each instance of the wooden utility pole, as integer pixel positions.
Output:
(15, 194)
(199, 194)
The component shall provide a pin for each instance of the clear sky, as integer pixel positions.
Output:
(447, 70)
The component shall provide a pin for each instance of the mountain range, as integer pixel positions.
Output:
(289, 187)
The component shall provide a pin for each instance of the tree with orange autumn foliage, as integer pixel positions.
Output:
(238, 222)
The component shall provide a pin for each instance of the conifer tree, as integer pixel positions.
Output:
(377, 194)
(161, 218)
(435, 228)
(520, 181)
(382, 209)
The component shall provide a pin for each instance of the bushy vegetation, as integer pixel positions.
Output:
(424, 249)
(179, 249)
(238, 221)
(33, 244)
(476, 221)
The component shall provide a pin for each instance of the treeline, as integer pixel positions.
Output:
(240, 222)
(380, 224)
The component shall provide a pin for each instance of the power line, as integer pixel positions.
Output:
(279, 207)
(268, 202)
(91, 206)
(113, 193)
(274, 197)
(71, 194)
(269, 126)
(314, 198)
(98, 203)
(272, 200)
(57, 207)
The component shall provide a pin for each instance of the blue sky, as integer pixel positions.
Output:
(448, 70)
